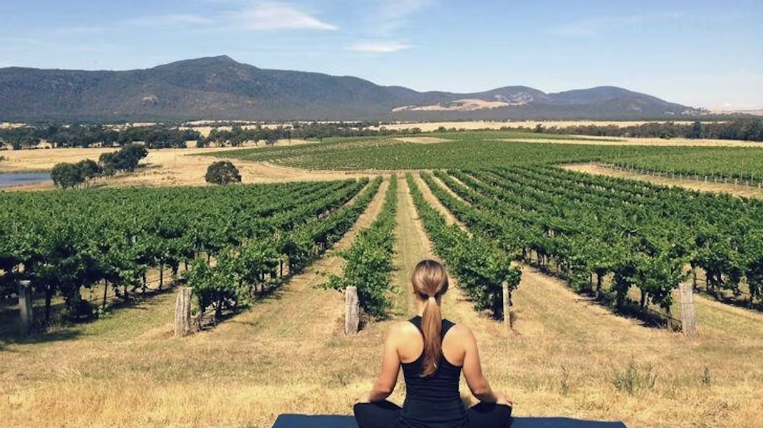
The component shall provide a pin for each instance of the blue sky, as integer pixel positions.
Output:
(697, 52)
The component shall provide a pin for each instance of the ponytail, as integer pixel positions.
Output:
(430, 282)
(431, 325)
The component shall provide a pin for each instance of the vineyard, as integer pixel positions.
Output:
(640, 235)
(474, 150)
(69, 241)
(589, 262)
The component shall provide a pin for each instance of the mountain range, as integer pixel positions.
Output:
(221, 88)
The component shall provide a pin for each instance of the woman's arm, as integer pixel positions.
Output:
(387, 380)
(473, 372)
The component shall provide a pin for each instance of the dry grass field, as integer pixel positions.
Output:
(736, 190)
(673, 142)
(423, 140)
(431, 126)
(167, 167)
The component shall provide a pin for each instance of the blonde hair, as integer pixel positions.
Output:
(430, 282)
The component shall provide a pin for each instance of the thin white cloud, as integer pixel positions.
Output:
(393, 14)
(278, 16)
(392, 9)
(597, 26)
(379, 47)
(170, 20)
(75, 31)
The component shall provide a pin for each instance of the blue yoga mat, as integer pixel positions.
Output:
(303, 421)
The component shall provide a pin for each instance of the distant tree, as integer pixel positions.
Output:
(272, 139)
(222, 172)
(130, 155)
(126, 159)
(539, 129)
(66, 175)
(89, 169)
(109, 163)
(696, 131)
(753, 131)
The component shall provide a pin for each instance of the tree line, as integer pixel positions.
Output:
(69, 175)
(741, 129)
(153, 137)
(164, 136)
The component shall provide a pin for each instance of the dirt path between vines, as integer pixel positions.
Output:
(740, 190)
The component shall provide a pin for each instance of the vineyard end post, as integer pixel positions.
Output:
(352, 311)
(26, 310)
(688, 321)
(506, 305)
(183, 312)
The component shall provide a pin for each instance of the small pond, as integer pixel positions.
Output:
(22, 178)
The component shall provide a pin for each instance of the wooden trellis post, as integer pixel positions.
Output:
(506, 305)
(26, 309)
(688, 322)
(352, 311)
(183, 312)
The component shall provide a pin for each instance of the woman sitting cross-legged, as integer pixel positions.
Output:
(433, 352)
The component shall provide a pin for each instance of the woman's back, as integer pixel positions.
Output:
(433, 352)
(432, 401)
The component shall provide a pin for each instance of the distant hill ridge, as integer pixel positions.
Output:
(223, 89)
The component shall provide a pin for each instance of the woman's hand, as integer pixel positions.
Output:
(364, 399)
(503, 400)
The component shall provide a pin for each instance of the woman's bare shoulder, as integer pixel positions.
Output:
(462, 332)
(403, 328)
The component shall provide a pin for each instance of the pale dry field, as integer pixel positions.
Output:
(736, 190)
(9, 125)
(165, 167)
(422, 140)
(472, 125)
(620, 141)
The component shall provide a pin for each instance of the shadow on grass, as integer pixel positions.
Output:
(607, 300)
(38, 337)
(738, 301)
(273, 292)
(60, 327)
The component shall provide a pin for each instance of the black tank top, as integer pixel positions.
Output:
(433, 401)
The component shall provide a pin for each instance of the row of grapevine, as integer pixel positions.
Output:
(238, 270)
(723, 234)
(719, 165)
(368, 262)
(642, 235)
(66, 241)
(478, 264)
